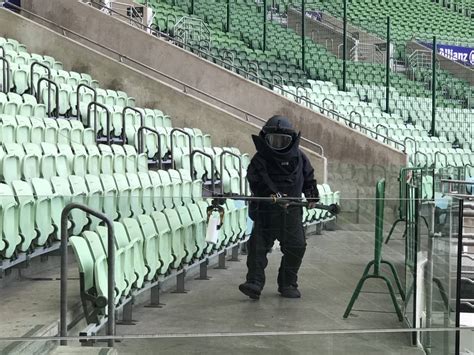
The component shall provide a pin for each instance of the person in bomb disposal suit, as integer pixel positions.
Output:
(279, 168)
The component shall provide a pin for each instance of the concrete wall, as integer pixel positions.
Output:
(351, 155)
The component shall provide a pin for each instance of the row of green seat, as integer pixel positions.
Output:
(32, 160)
(149, 246)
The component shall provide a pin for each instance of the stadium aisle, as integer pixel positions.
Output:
(332, 265)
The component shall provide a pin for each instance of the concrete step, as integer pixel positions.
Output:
(72, 350)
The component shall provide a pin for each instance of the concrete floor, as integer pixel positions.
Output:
(332, 266)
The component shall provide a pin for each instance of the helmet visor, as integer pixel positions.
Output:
(278, 141)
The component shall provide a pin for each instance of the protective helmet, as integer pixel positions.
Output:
(278, 133)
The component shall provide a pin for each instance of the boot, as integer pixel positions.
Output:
(289, 292)
(251, 290)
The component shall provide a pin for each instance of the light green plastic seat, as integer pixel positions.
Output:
(110, 195)
(158, 192)
(26, 213)
(49, 204)
(188, 233)
(199, 230)
(178, 237)
(150, 246)
(165, 242)
(95, 197)
(9, 221)
(147, 193)
(79, 195)
(98, 250)
(136, 194)
(123, 196)
(123, 252)
(135, 238)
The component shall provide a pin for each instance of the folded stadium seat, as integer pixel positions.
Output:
(118, 155)
(145, 251)
(196, 187)
(231, 178)
(63, 98)
(93, 159)
(145, 228)
(177, 237)
(85, 98)
(45, 201)
(165, 241)
(158, 190)
(134, 238)
(125, 251)
(91, 284)
(26, 215)
(53, 162)
(167, 188)
(62, 196)
(20, 78)
(64, 131)
(8, 129)
(199, 169)
(123, 196)
(135, 162)
(235, 220)
(29, 164)
(147, 190)
(110, 196)
(79, 192)
(50, 130)
(49, 203)
(77, 157)
(188, 233)
(12, 106)
(37, 131)
(98, 250)
(126, 159)
(9, 218)
(181, 190)
(95, 197)
(199, 226)
(136, 194)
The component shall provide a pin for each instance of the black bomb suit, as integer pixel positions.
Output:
(286, 172)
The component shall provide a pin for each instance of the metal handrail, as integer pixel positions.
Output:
(141, 148)
(198, 151)
(357, 113)
(185, 86)
(297, 96)
(377, 130)
(278, 76)
(172, 145)
(328, 109)
(110, 269)
(78, 98)
(36, 63)
(416, 144)
(227, 152)
(38, 89)
(124, 111)
(426, 157)
(88, 120)
(436, 158)
(5, 68)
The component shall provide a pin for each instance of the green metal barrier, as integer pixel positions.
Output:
(405, 177)
(378, 260)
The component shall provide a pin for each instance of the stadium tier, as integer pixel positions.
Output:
(240, 49)
(49, 161)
